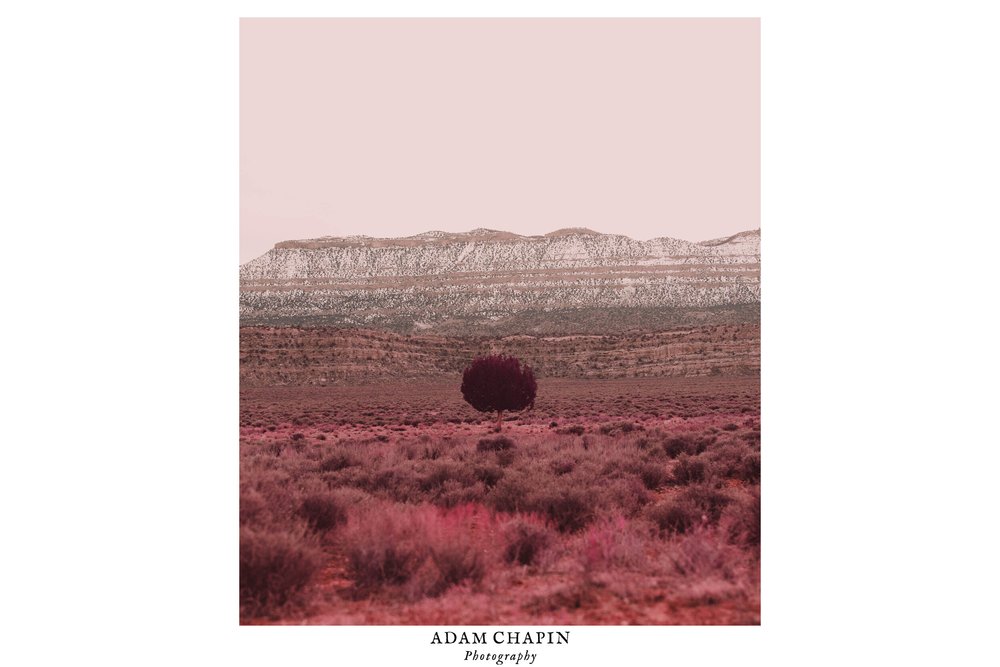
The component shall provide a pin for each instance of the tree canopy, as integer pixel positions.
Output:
(498, 383)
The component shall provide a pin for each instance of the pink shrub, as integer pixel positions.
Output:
(689, 470)
(525, 538)
(704, 554)
(457, 545)
(674, 515)
(383, 548)
(709, 500)
(323, 511)
(428, 548)
(613, 542)
(253, 507)
(275, 568)
(741, 521)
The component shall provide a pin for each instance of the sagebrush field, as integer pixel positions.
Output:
(611, 501)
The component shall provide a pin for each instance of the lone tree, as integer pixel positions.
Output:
(498, 383)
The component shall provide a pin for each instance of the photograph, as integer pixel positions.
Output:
(499, 321)
(499, 333)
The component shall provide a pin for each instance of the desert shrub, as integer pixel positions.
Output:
(576, 429)
(615, 467)
(351, 498)
(738, 462)
(627, 495)
(442, 472)
(567, 508)
(488, 474)
(271, 487)
(509, 495)
(687, 443)
(506, 457)
(298, 436)
(454, 493)
(432, 452)
(382, 548)
(337, 461)
(611, 542)
(619, 427)
(457, 562)
(323, 511)
(709, 500)
(688, 470)
(749, 469)
(701, 557)
(252, 507)
(275, 567)
(651, 445)
(562, 467)
(730, 427)
(674, 516)
(400, 483)
(677, 445)
(449, 564)
(497, 444)
(653, 476)
(524, 540)
(735, 459)
(423, 550)
(742, 521)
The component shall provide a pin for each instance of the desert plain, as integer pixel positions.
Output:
(371, 493)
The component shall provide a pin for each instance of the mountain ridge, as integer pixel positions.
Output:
(470, 279)
(479, 234)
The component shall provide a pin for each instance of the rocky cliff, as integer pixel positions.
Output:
(568, 280)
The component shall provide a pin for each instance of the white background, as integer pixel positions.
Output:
(119, 212)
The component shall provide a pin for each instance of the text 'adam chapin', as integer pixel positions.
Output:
(502, 637)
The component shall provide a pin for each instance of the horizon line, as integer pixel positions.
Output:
(482, 230)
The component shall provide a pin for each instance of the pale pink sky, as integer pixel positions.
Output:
(391, 127)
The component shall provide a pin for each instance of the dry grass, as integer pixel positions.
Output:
(275, 568)
(635, 516)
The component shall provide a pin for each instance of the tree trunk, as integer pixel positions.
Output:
(499, 421)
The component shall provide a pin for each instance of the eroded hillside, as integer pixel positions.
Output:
(459, 283)
(319, 355)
